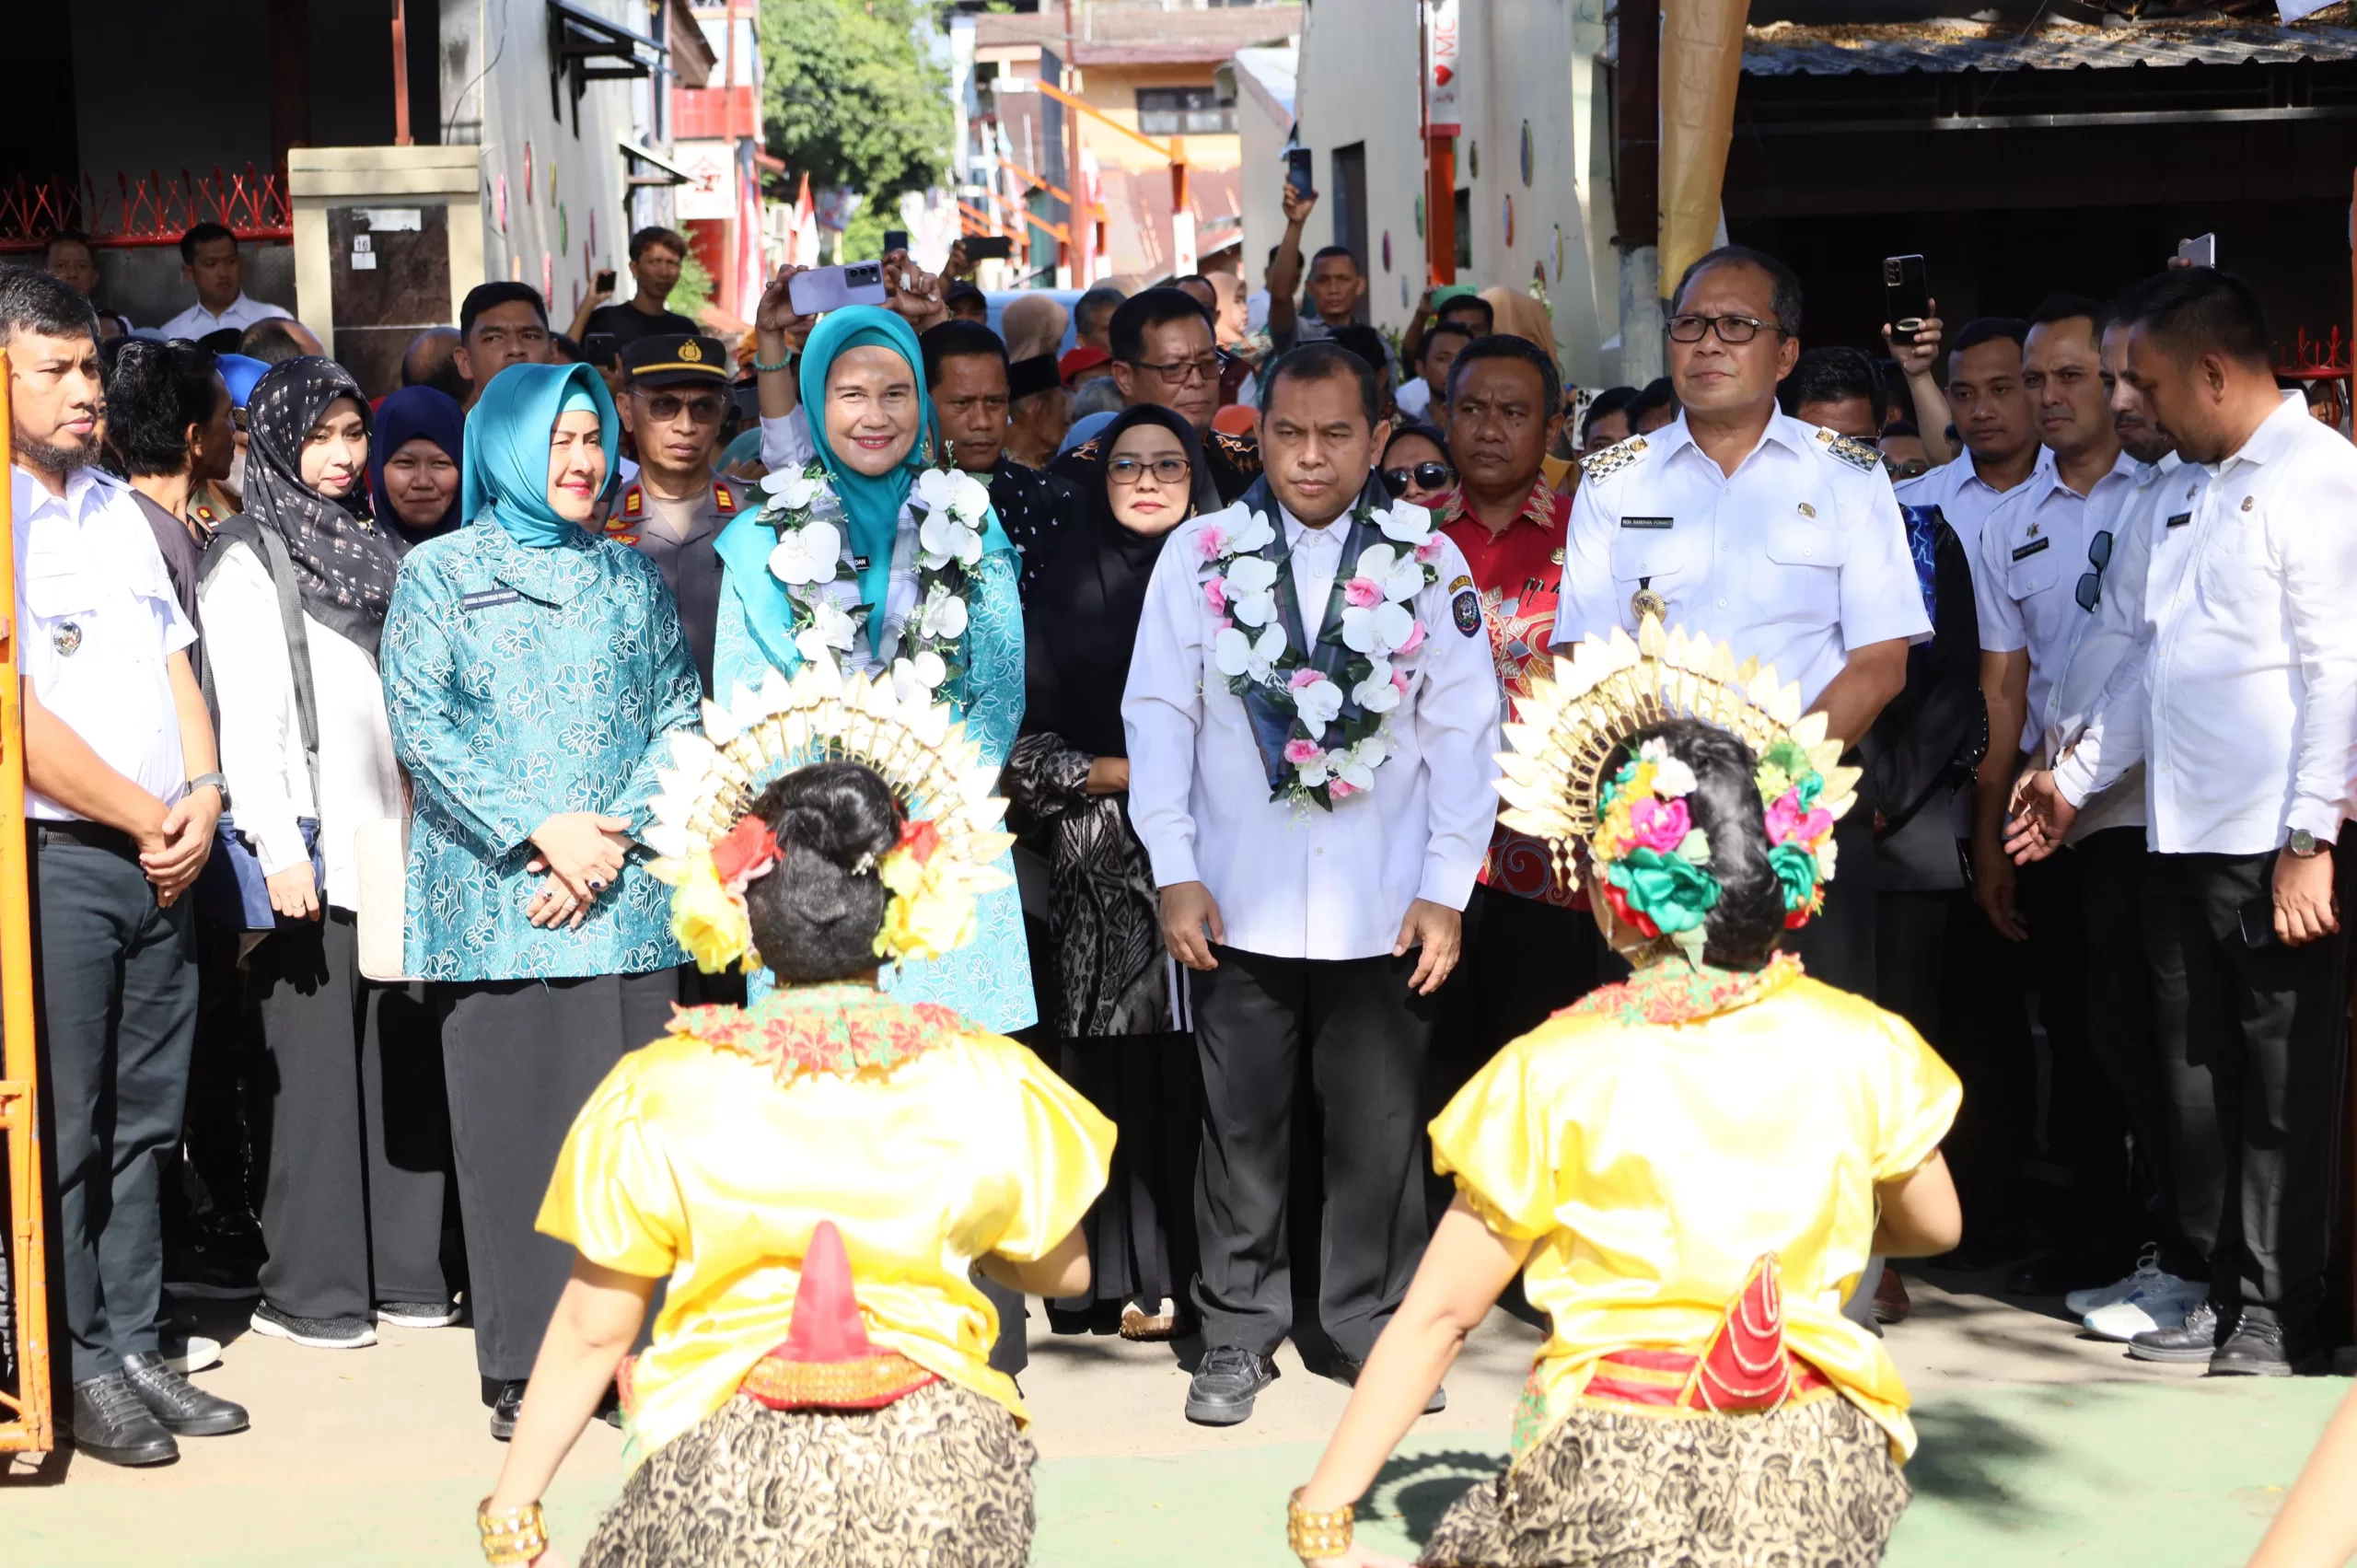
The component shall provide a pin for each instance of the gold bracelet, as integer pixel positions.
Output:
(1315, 1537)
(516, 1536)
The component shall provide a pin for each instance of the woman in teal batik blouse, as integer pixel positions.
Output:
(532, 671)
(871, 524)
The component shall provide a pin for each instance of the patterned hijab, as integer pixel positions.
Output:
(343, 566)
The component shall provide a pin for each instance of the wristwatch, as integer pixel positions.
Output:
(220, 786)
(2301, 844)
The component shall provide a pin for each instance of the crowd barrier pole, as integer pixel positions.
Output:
(25, 1415)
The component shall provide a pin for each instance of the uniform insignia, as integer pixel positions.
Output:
(1459, 583)
(1466, 610)
(1857, 454)
(629, 539)
(1555, 558)
(203, 513)
(633, 501)
(1646, 602)
(1613, 458)
(488, 599)
(2033, 528)
(2179, 520)
(724, 499)
(689, 352)
(2247, 503)
(2027, 550)
(67, 639)
(1807, 510)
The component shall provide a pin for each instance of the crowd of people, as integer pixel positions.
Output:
(355, 768)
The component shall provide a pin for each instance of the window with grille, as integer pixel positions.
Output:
(1184, 111)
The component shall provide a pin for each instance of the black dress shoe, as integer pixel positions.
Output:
(2052, 1274)
(112, 1425)
(1346, 1370)
(504, 1408)
(2191, 1343)
(178, 1404)
(1225, 1382)
(2257, 1348)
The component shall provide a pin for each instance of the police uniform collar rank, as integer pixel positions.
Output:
(625, 517)
(1618, 456)
(1855, 453)
(724, 500)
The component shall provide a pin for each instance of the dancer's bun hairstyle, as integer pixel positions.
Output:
(815, 918)
(1740, 932)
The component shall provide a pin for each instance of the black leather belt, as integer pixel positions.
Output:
(90, 835)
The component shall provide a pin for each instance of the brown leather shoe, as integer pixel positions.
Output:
(1891, 1305)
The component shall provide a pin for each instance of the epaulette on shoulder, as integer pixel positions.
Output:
(1613, 458)
(1855, 453)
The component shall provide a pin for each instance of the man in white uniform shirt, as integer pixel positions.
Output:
(123, 797)
(1995, 421)
(2242, 703)
(210, 260)
(1780, 539)
(2036, 544)
(1311, 931)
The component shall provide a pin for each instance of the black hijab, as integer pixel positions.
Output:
(1081, 624)
(343, 566)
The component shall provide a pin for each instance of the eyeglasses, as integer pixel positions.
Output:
(704, 410)
(1203, 368)
(1126, 471)
(1906, 468)
(1731, 329)
(2098, 556)
(1423, 476)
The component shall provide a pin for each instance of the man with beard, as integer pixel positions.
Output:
(122, 794)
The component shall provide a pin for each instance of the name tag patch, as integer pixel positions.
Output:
(2032, 547)
(489, 597)
(2180, 519)
(1648, 522)
(1466, 610)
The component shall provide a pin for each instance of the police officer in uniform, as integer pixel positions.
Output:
(675, 391)
(1779, 538)
(1163, 352)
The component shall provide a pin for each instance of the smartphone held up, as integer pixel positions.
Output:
(833, 289)
(1906, 296)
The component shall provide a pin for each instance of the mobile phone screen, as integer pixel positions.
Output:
(1907, 298)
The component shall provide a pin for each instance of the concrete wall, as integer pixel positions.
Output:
(1357, 84)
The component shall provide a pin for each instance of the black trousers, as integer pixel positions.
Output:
(115, 1016)
(1364, 1037)
(2251, 1034)
(2113, 866)
(352, 1127)
(1142, 1227)
(1911, 939)
(523, 1057)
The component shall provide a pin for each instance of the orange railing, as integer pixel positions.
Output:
(150, 211)
(24, 1415)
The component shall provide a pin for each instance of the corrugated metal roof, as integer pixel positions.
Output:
(1791, 48)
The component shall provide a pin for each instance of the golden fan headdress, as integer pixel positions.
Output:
(1634, 822)
(946, 856)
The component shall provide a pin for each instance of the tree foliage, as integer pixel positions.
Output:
(850, 95)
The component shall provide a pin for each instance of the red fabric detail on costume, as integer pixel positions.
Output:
(827, 1326)
(919, 839)
(1619, 900)
(743, 851)
(1744, 1365)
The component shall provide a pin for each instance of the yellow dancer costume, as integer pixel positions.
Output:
(1689, 1159)
(816, 1177)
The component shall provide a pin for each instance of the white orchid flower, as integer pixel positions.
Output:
(1372, 752)
(919, 676)
(953, 490)
(1378, 630)
(1253, 534)
(1350, 768)
(793, 488)
(1253, 609)
(1407, 523)
(808, 556)
(830, 630)
(944, 539)
(1376, 694)
(1317, 770)
(1248, 574)
(944, 617)
(1235, 653)
(1399, 573)
(1317, 703)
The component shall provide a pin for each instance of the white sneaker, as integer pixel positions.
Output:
(2163, 1303)
(186, 1352)
(2079, 1303)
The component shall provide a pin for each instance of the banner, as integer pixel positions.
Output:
(711, 190)
(1701, 62)
(1440, 68)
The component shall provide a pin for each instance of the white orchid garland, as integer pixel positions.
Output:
(1329, 755)
(813, 553)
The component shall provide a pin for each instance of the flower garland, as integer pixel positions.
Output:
(810, 556)
(1338, 738)
(1655, 861)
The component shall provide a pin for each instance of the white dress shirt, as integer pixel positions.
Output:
(2131, 514)
(785, 441)
(262, 739)
(1300, 882)
(243, 312)
(1795, 559)
(98, 623)
(2033, 551)
(2242, 700)
(1964, 498)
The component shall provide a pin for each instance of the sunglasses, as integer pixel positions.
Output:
(2090, 593)
(1423, 476)
(664, 406)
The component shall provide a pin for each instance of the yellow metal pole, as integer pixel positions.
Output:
(24, 1419)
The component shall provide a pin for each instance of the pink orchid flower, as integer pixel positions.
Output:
(1429, 550)
(1215, 594)
(1659, 824)
(1341, 789)
(1303, 677)
(1211, 543)
(1787, 823)
(1362, 593)
(1415, 640)
(1298, 751)
(1399, 681)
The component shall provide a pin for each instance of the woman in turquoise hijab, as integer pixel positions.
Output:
(874, 558)
(533, 673)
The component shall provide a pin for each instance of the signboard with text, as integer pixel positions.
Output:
(1440, 68)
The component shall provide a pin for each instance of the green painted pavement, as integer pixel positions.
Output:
(2163, 1476)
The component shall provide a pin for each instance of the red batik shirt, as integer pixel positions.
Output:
(1519, 574)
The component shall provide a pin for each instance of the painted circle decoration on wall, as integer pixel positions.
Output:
(1558, 253)
(1473, 159)
(1387, 250)
(1509, 217)
(1420, 215)
(1525, 153)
